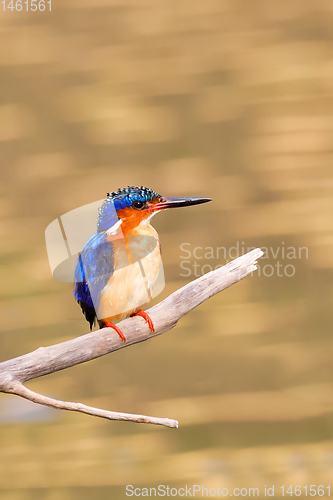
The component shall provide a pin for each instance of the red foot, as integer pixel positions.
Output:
(146, 317)
(108, 324)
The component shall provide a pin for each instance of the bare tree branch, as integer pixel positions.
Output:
(165, 315)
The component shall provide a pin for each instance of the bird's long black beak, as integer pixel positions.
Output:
(178, 202)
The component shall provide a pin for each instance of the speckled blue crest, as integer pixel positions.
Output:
(122, 198)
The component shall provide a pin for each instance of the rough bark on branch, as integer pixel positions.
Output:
(165, 315)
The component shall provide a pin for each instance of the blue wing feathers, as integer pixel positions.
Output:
(93, 270)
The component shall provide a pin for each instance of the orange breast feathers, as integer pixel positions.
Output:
(137, 268)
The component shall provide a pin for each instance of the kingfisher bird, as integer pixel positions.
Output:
(118, 267)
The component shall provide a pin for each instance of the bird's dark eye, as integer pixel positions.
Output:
(138, 204)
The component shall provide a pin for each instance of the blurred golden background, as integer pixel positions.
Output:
(227, 99)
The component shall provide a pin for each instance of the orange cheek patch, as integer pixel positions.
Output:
(124, 213)
(131, 218)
